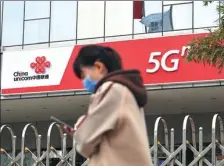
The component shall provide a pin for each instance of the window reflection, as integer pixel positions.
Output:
(181, 16)
(13, 23)
(209, 12)
(119, 16)
(159, 21)
(1, 7)
(37, 9)
(0, 23)
(167, 19)
(63, 24)
(145, 13)
(36, 31)
(91, 19)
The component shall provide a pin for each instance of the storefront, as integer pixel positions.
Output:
(40, 41)
(39, 83)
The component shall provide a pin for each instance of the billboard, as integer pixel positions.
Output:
(160, 61)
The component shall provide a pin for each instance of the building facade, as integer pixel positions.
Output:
(49, 23)
(40, 40)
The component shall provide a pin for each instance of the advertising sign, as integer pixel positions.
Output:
(160, 60)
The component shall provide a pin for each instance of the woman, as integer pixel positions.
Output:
(113, 132)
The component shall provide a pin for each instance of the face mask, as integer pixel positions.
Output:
(89, 84)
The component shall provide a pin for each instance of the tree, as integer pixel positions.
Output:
(210, 48)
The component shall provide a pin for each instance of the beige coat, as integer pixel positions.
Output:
(114, 131)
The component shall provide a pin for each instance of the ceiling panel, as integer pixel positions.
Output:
(160, 102)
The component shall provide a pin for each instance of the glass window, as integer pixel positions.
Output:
(90, 19)
(63, 20)
(119, 18)
(147, 14)
(1, 20)
(12, 23)
(1, 7)
(174, 2)
(209, 12)
(37, 9)
(36, 31)
(177, 17)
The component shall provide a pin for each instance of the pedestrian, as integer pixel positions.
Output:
(113, 131)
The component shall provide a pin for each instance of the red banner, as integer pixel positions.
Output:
(160, 60)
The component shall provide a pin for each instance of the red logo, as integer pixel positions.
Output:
(40, 65)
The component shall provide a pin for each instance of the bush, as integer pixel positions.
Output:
(209, 49)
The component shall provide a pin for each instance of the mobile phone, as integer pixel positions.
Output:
(61, 122)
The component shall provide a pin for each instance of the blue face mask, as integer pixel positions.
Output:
(89, 84)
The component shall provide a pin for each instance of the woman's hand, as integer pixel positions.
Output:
(70, 131)
(79, 121)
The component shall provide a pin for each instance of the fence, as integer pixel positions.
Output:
(172, 155)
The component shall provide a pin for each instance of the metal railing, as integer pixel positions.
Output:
(171, 153)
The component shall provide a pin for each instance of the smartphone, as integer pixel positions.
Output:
(61, 122)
